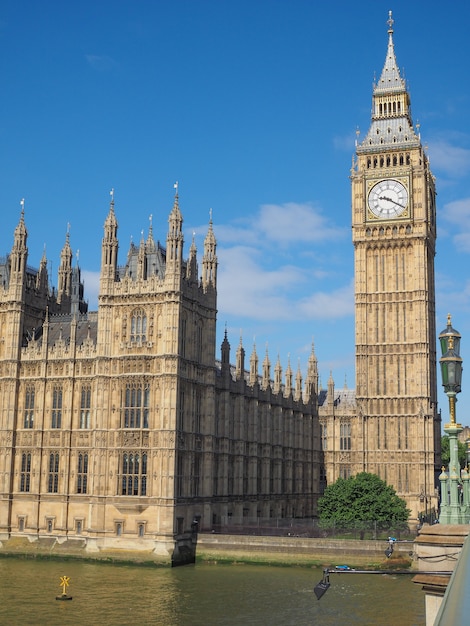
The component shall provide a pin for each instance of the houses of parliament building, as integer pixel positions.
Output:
(121, 427)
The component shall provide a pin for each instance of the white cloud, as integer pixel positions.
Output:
(450, 159)
(291, 222)
(246, 289)
(336, 304)
(281, 224)
(457, 213)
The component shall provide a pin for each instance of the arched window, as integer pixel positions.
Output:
(53, 477)
(56, 417)
(25, 476)
(133, 479)
(82, 473)
(85, 406)
(29, 407)
(138, 326)
(345, 436)
(136, 405)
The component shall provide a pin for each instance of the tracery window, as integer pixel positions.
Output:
(25, 476)
(85, 406)
(138, 326)
(82, 473)
(136, 405)
(345, 436)
(29, 407)
(53, 476)
(56, 421)
(133, 474)
(324, 437)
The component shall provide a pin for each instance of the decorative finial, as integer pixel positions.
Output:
(176, 188)
(210, 216)
(111, 193)
(390, 22)
(22, 206)
(449, 319)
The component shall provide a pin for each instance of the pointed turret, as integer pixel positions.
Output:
(209, 260)
(192, 269)
(311, 382)
(42, 279)
(277, 376)
(289, 378)
(330, 390)
(240, 367)
(141, 260)
(64, 282)
(298, 383)
(150, 246)
(266, 370)
(109, 246)
(174, 240)
(19, 251)
(225, 354)
(253, 367)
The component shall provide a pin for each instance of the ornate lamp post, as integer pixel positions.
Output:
(453, 510)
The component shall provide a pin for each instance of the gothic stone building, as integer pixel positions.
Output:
(391, 426)
(119, 428)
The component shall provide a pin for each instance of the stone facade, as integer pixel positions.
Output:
(392, 427)
(119, 426)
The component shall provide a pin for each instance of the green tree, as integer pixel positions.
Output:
(350, 502)
(445, 452)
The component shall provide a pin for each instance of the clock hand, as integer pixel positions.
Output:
(392, 201)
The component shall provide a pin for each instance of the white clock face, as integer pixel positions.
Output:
(388, 199)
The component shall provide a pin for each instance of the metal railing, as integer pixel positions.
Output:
(309, 528)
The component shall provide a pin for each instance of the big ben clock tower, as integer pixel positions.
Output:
(394, 235)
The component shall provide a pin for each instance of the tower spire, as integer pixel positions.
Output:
(110, 244)
(392, 126)
(209, 259)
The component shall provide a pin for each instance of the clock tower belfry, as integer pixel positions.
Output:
(394, 235)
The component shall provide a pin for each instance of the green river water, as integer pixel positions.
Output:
(206, 595)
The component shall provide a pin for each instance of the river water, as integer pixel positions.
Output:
(201, 595)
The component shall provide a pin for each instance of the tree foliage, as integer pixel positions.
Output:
(362, 498)
(445, 452)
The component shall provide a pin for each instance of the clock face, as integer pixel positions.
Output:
(388, 199)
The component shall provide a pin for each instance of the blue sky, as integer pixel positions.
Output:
(253, 107)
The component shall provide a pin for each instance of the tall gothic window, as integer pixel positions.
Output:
(138, 326)
(53, 476)
(82, 473)
(324, 437)
(25, 476)
(29, 407)
(134, 474)
(56, 421)
(136, 406)
(85, 406)
(345, 436)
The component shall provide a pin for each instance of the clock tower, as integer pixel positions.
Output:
(394, 235)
